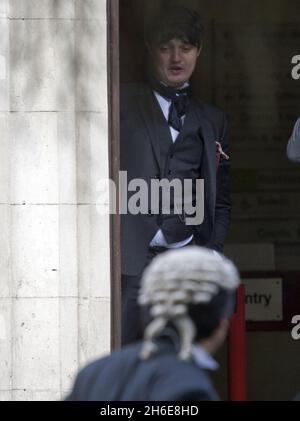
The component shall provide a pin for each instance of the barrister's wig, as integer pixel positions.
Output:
(174, 22)
(192, 290)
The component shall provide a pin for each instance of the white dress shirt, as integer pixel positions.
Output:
(203, 359)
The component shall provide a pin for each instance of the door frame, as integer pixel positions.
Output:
(113, 69)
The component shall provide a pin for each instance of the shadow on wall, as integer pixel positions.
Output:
(52, 68)
(58, 64)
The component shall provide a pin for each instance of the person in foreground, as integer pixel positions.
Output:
(190, 296)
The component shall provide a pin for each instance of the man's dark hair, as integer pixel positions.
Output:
(207, 317)
(179, 22)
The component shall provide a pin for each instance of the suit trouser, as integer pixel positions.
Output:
(135, 318)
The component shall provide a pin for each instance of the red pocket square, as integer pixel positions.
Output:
(220, 153)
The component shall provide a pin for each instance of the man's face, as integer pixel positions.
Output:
(174, 61)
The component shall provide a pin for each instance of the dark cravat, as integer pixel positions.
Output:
(179, 102)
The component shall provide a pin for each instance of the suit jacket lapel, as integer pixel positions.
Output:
(209, 165)
(208, 171)
(148, 114)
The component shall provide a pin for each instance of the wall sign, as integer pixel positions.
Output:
(263, 299)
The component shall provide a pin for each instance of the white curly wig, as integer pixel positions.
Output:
(176, 279)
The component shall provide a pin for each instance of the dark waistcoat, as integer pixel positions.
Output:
(181, 160)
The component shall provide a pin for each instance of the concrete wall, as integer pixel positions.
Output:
(54, 246)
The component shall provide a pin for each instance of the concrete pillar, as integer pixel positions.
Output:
(54, 255)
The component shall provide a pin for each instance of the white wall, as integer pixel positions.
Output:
(54, 246)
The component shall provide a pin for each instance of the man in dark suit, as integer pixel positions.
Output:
(190, 293)
(167, 134)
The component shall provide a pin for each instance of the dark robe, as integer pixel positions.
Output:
(124, 376)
